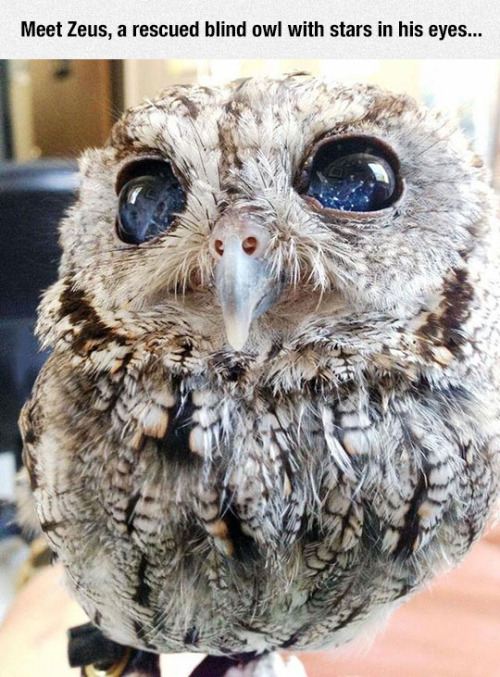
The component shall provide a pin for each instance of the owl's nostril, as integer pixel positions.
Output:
(250, 245)
(240, 238)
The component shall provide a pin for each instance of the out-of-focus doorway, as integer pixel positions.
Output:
(60, 107)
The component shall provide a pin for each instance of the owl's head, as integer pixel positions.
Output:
(266, 207)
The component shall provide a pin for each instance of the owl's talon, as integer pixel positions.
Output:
(87, 645)
(115, 669)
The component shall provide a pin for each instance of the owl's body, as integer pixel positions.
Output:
(291, 491)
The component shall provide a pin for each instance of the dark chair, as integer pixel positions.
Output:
(33, 197)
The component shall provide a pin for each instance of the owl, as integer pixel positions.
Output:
(271, 409)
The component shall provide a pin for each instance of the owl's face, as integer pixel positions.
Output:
(255, 210)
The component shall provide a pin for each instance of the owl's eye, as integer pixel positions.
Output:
(150, 196)
(354, 175)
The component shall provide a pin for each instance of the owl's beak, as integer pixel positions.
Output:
(245, 287)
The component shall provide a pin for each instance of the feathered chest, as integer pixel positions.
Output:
(244, 499)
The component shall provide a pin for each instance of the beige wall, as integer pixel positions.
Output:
(21, 105)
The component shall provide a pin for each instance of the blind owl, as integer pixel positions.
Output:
(271, 408)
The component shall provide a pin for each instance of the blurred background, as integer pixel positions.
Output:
(50, 111)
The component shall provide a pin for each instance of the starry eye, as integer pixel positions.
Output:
(150, 196)
(354, 175)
